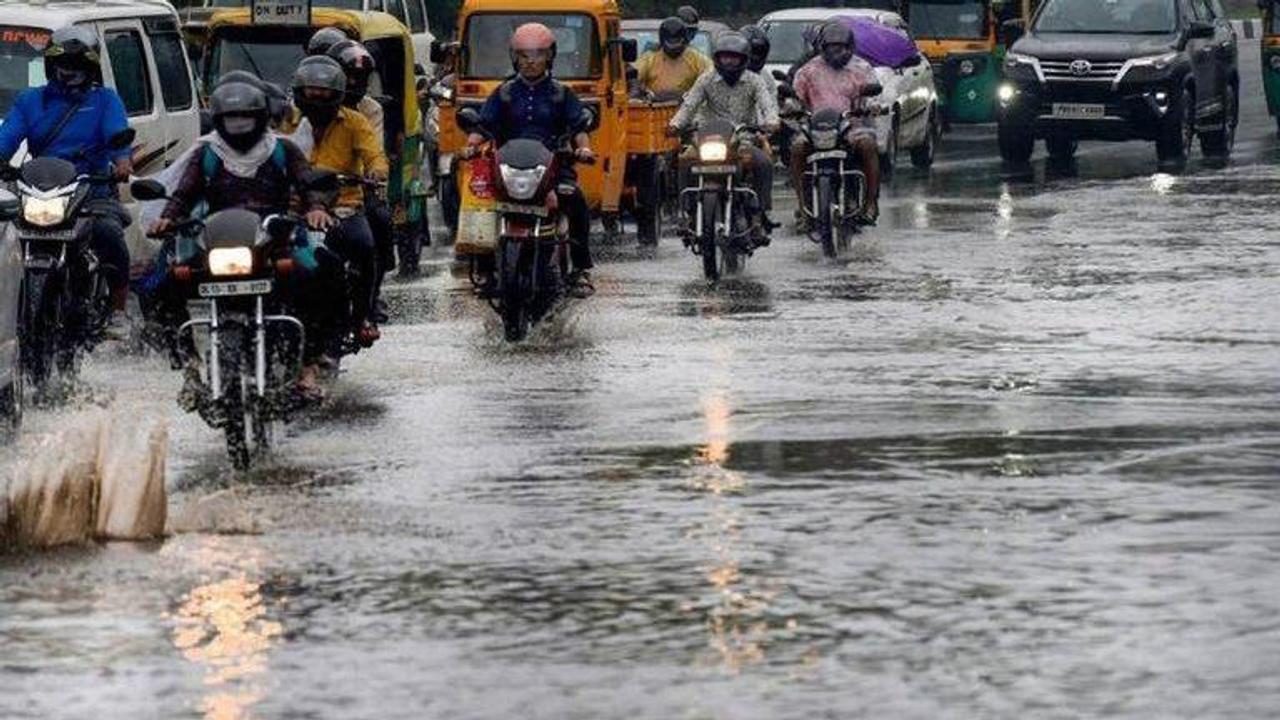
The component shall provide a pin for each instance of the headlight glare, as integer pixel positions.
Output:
(225, 262)
(522, 184)
(713, 151)
(45, 211)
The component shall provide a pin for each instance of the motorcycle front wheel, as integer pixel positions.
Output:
(231, 357)
(707, 236)
(828, 224)
(515, 307)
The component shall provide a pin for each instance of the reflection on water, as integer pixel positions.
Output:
(223, 627)
(1163, 183)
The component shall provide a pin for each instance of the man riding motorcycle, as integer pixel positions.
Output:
(323, 40)
(242, 164)
(536, 106)
(340, 139)
(760, 46)
(834, 80)
(740, 96)
(689, 15)
(72, 118)
(675, 67)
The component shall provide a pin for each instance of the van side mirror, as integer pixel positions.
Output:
(469, 119)
(10, 206)
(1200, 31)
(1011, 31)
(147, 189)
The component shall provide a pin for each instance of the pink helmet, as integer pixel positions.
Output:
(533, 36)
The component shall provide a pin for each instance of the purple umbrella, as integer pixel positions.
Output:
(880, 44)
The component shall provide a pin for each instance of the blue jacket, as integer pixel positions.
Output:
(543, 111)
(37, 110)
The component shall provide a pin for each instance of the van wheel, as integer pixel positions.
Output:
(1175, 137)
(1218, 143)
(1016, 144)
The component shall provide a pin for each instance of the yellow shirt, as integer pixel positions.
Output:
(661, 74)
(350, 146)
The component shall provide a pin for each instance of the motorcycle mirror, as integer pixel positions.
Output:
(872, 90)
(590, 120)
(122, 139)
(469, 119)
(419, 69)
(322, 181)
(279, 226)
(10, 206)
(206, 121)
(147, 189)
(779, 75)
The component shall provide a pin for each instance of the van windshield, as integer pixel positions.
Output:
(1127, 17)
(488, 39)
(21, 62)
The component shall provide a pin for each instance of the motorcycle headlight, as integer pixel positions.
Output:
(824, 139)
(715, 150)
(231, 261)
(45, 211)
(522, 184)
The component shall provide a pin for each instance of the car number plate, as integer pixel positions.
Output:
(517, 209)
(232, 289)
(714, 169)
(1079, 111)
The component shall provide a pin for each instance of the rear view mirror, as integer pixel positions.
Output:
(872, 90)
(418, 69)
(147, 189)
(469, 119)
(442, 52)
(122, 139)
(779, 75)
(10, 206)
(590, 120)
(913, 61)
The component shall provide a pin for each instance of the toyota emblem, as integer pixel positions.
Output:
(1081, 68)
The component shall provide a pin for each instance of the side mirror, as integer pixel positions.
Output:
(441, 92)
(418, 69)
(122, 139)
(590, 120)
(147, 189)
(280, 227)
(1011, 31)
(779, 75)
(437, 52)
(872, 90)
(469, 119)
(913, 61)
(321, 181)
(10, 206)
(630, 50)
(1200, 31)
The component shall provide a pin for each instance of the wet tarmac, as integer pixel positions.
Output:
(1016, 455)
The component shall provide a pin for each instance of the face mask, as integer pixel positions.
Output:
(319, 115)
(71, 78)
(239, 125)
(731, 71)
(673, 49)
(241, 133)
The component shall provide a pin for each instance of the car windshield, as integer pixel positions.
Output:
(488, 36)
(21, 62)
(786, 40)
(271, 61)
(647, 40)
(939, 19)
(1130, 17)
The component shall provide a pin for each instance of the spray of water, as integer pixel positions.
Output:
(99, 476)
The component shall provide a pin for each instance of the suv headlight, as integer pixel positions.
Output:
(45, 211)
(1149, 67)
(224, 262)
(522, 184)
(715, 150)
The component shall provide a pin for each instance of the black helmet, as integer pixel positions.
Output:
(836, 42)
(277, 99)
(358, 64)
(324, 39)
(759, 42)
(72, 58)
(319, 86)
(689, 14)
(732, 54)
(673, 35)
(240, 111)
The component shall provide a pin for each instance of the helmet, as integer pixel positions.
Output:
(836, 43)
(673, 35)
(72, 58)
(759, 42)
(319, 86)
(240, 112)
(532, 37)
(689, 14)
(277, 100)
(732, 53)
(324, 39)
(358, 65)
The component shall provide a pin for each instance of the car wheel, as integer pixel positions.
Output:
(922, 156)
(1175, 137)
(1016, 144)
(1218, 143)
(890, 157)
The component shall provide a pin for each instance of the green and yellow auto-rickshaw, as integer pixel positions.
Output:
(1271, 56)
(964, 42)
(235, 42)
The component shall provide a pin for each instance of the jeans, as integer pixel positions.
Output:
(352, 241)
(107, 240)
(574, 206)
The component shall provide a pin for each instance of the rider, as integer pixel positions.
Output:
(242, 164)
(689, 15)
(760, 45)
(835, 80)
(534, 105)
(323, 40)
(340, 139)
(73, 117)
(740, 96)
(675, 67)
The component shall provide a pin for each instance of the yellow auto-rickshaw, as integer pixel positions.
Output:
(1271, 56)
(592, 58)
(273, 52)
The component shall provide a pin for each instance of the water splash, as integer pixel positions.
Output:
(100, 476)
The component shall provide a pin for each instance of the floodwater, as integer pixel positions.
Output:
(1015, 456)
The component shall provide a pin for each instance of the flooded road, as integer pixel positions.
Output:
(1015, 456)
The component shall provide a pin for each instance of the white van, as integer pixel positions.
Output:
(143, 59)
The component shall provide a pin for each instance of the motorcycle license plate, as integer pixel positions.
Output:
(539, 210)
(714, 169)
(1079, 111)
(828, 155)
(233, 289)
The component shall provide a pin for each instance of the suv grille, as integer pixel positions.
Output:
(1080, 70)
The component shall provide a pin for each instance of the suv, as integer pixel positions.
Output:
(1161, 70)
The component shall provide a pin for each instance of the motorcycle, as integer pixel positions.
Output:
(532, 257)
(834, 195)
(233, 268)
(66, 301)
(722, 207)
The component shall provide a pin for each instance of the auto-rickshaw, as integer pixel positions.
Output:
(592, 59)
(273, 52)
(1271, 56)
(964, 41)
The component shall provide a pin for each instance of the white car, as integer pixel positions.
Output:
(913, 124)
